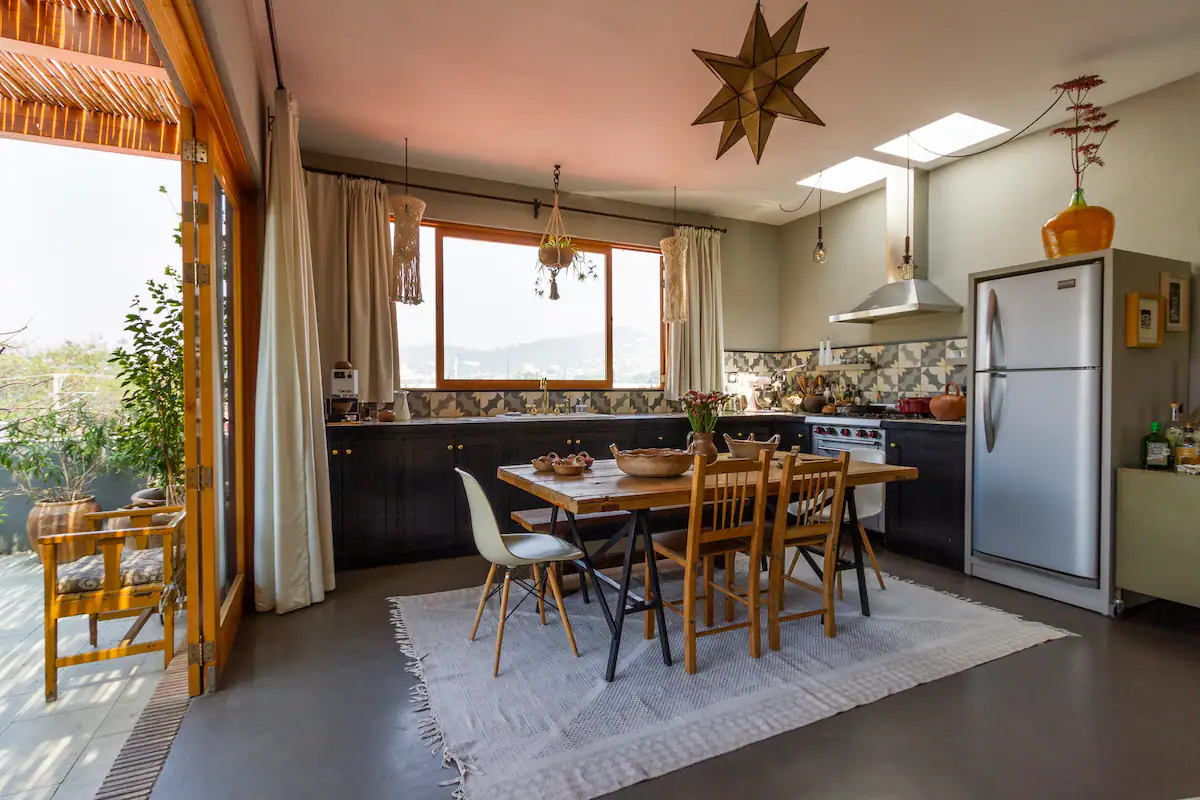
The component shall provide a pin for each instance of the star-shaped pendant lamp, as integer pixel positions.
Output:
(760, 83)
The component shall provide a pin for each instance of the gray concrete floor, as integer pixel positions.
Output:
(316, 705)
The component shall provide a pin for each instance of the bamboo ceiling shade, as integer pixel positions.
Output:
(84, 71)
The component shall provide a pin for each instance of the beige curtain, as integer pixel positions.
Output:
(696, 352)
(293, 534)
(352, 266)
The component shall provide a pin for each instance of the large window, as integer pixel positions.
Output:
(483, 326)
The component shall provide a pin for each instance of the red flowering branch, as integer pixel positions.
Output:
(1090, 128)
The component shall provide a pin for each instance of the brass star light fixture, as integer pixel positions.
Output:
(760, 83)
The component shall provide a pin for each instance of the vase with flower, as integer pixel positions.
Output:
(703, 410)
(1081, 228)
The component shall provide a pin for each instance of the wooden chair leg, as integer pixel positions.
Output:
(168, 622)
(730, 561)
(689, 619)
(775, 597)
(648, 617)
(708, 591)
(871, 555)
(562, 612)
(487, 587)
(93, 629)
(541, 591)
(831, 555)
(503, 614)
(753, 590)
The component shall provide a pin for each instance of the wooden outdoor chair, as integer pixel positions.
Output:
(113, 584)
(727, 534)
(819, 489)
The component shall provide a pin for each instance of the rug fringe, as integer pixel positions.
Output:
(429, 727)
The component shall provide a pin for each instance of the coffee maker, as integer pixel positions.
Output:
(342, 403)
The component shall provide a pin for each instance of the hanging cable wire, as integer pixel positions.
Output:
(802, 204)
(997, 144)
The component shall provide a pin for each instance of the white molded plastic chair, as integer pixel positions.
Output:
(868, 501)
(537, 551)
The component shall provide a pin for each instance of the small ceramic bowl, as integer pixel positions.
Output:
(570, 466)
(587, 460)
(545, 463)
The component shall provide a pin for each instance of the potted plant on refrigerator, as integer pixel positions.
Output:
(703, 410)
(54, 456)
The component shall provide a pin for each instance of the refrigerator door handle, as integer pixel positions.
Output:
(990, 329)
(990, 414)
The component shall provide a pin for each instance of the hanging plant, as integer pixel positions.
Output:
(556, 253)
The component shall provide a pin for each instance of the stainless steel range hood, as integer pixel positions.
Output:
(899, 297)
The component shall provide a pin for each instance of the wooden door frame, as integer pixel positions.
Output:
(185, 48)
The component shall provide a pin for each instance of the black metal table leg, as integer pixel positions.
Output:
(591, 571)
(858, 553)
(614, 648)
(656, 588)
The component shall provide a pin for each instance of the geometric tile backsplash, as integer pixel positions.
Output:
(898, 370)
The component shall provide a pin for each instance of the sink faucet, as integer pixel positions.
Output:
(542, 384)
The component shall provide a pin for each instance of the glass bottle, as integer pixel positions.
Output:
(1156, 450)
(1175, 426)
(1187, 448)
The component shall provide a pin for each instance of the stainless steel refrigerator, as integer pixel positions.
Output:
(1037, 419)
(1059, 403)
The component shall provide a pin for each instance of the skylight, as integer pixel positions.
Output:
(849, 175)
(946, 136)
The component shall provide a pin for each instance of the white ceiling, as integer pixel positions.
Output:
(505, 90)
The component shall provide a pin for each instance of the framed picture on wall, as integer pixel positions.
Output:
(1144, 320)
(1176, 291)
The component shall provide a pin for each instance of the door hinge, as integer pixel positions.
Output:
(202, 653)
(198, 478)
(197, 213)
(192, 150)
(196, 272)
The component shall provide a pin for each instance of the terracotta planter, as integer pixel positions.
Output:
(47, 519)
(555, 257)
(1079, 228)
(698, 442)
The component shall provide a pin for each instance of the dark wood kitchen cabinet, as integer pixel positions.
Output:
(434, 507)
(363, 499)
(926, 517)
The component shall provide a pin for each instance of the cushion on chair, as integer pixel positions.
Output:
(534, 548)
(138, 568)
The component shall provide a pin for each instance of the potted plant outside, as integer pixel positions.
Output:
(54, 456)
(703, 410)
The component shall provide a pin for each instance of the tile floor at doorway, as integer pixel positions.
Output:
(63, 750)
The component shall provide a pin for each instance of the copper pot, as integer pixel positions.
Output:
(951, 406)
(914, 405)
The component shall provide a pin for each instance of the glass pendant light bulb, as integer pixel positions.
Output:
(819, 254)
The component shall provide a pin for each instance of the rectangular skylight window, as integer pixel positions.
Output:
(848, 175)
(945, 137)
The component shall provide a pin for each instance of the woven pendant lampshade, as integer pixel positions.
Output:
(674, 250)
(406, 249)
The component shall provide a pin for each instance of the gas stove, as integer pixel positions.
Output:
(832, 436)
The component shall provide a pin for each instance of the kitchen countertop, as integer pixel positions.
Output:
(589, 418)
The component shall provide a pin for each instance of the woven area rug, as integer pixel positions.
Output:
(550, 727)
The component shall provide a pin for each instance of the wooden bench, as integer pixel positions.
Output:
(537, 520)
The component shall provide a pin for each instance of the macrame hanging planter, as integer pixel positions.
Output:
(674, 250)
(556, 253)
(406, 249)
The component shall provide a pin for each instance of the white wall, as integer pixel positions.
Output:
(987, 211)
(749, 250)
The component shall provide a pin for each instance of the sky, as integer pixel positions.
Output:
(82, 231)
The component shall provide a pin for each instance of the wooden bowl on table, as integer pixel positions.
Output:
(545, 463)
(570, 466)
(653, 462)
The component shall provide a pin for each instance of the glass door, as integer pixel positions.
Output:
(217, 499)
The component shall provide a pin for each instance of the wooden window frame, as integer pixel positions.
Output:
(505, 236)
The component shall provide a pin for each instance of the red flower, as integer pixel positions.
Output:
(1089, 121)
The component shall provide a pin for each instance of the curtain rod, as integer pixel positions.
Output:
(535, 203)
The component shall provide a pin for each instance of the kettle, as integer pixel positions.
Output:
(950, 406)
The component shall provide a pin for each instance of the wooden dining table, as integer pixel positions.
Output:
(605, 488)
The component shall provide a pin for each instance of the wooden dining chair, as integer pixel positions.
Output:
(818, 487)
(730, 485)
(540, 553)
(116, 582)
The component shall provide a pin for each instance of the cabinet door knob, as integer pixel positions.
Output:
(578, 441)
(459, 447)
(893, 444)
(335, 452)
(348, 451)
(449, 447)
(568, 441)
(660, 438)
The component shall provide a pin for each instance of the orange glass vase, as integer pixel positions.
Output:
(1079, 228)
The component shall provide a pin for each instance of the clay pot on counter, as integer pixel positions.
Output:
(951, 406)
